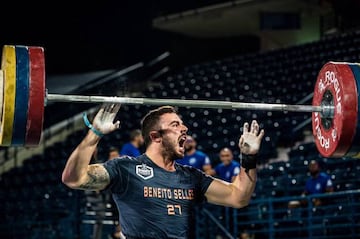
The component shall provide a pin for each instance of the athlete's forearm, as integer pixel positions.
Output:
(245, 182)
(75, 171)
(236, 194)
(246, 179)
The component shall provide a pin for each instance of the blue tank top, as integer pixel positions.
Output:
(129, 150)
(227, 172)
(319, 184)
(197, 160)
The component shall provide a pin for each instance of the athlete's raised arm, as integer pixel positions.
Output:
(78, 172)
(238, 193)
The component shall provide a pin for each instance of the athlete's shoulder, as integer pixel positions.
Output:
(125, 159)
(191, 171)
(185, 167)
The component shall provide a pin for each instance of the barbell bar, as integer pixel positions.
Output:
(23, 97)
(188, 103)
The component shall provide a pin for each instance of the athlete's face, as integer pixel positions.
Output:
(173, 135)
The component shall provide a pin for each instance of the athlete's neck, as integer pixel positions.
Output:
(160, 160)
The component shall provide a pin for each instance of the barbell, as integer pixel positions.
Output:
(23, 97)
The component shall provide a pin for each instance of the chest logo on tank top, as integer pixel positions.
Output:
(144, 171)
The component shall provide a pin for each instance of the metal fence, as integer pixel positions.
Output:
(338, 216)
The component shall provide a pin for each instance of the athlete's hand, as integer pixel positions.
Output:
(104, 119)
(250, 140)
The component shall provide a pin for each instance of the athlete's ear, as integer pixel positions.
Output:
(155, 136)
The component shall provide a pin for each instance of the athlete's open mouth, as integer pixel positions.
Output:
(182, 140)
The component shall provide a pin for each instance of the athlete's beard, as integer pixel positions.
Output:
(169, 149)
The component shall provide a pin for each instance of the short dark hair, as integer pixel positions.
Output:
(151, 120)
(134, 133)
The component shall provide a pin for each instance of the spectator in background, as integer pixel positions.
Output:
(319, 182)
(228, 168)
(132, 148)
(113, 152)
(194, 157)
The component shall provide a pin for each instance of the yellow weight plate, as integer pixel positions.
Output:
(8, 65)
(1, 92)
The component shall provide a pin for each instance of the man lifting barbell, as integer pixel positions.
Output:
(335, 105)
(23, 96)
(154, 193)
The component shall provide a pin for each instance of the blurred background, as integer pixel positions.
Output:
(266, 51)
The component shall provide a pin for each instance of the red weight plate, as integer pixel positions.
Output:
(335, 141)
(354, 151)
(35, 118)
